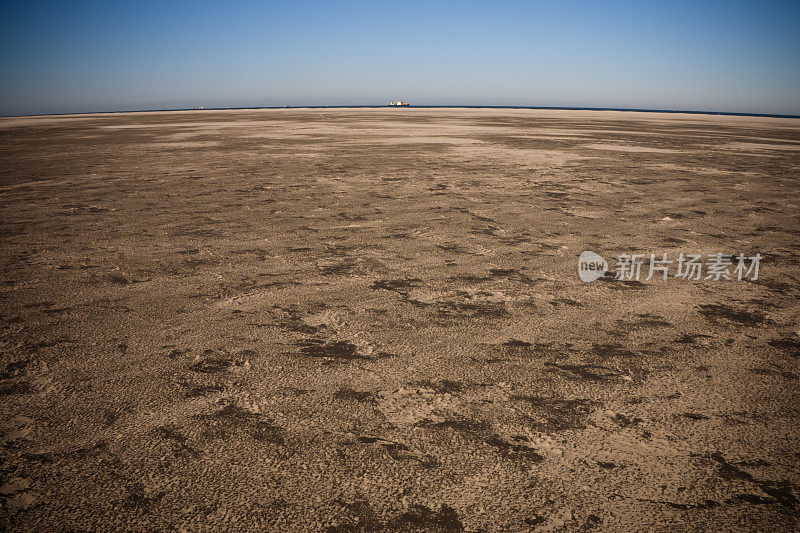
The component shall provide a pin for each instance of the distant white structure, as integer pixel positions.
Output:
(399, 102)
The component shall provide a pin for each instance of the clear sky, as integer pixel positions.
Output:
(76, 56)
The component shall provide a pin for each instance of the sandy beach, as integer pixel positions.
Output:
(371, 320)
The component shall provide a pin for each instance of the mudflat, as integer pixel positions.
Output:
(371, 319)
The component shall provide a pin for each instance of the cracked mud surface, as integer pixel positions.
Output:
(365, 320)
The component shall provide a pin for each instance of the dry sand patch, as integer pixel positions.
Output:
(628, 148)
(371, 319)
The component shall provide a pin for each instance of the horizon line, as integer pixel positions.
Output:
(422, 106)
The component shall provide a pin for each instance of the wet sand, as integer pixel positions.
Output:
(371, 319)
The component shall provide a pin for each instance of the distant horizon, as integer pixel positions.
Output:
(411, 105)
(735, 56)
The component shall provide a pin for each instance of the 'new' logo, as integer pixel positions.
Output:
(591, 266)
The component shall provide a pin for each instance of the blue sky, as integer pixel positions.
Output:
(96, 56)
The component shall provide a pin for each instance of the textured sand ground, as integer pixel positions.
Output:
(355, 320)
